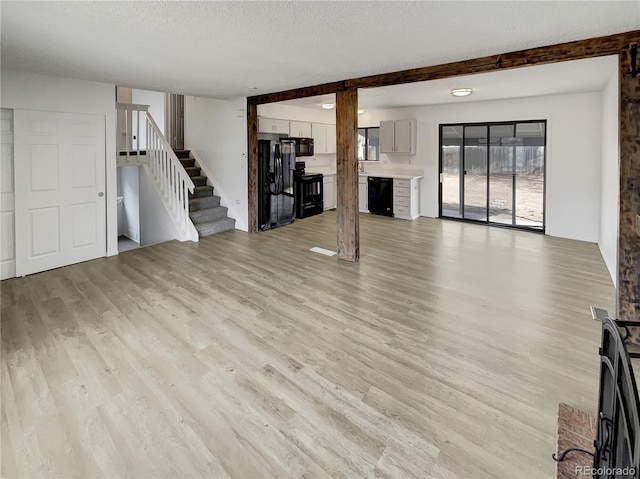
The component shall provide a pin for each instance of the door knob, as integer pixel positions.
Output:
(101, 194)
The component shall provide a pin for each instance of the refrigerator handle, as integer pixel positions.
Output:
(279, 176)
(275, 175)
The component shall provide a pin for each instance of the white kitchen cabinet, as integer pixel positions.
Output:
(300, 129)
(272, 125)
(363, 194)
(405, 134)
(387, 136)
(324, 138)
(406, 198)
(398, 136)
(319, 135)
(331, 139)
(329, 191)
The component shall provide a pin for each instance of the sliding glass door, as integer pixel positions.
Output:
(529, 175)
(474, 172)
(494, 173)
(450, 167)
(501, 182)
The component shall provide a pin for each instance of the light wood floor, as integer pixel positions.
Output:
(443, 353)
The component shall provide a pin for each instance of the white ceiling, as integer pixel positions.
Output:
(576, 76)
(220, 49)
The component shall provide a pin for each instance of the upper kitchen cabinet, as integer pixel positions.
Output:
(331, 139)
(398, 136)
(300, 129)
(324, 138)
(271, 125)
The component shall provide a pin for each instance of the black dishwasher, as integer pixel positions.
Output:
(380, 195)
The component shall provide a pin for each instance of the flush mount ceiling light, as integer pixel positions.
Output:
(328, 106)
(253, 88)
(360, 112)
(461, 91)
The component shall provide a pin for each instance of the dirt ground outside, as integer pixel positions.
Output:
(529, 197)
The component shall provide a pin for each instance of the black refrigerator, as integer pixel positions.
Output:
(276, 164)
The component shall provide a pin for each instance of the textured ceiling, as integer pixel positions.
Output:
(220, 49)
(576, 76)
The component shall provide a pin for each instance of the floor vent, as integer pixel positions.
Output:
(326, 252)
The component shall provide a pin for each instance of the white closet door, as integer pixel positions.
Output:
(60, 184)
(7, 212)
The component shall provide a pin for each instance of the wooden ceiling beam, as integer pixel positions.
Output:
(304, 92)
(580, 49)
(576, 50)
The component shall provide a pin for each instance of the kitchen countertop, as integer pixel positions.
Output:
(388, 173)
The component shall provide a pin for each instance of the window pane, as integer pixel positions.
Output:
(501, 158)
(362, 143)
(368, 144)
(373, 146)
(451, 158)
(475, 172)
(530, 174)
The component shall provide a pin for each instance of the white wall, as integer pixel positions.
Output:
(610, 178)
(156, 225)
(217, 131)
(313, 115)
(155, 100)
(48, 93)
(129, 189)
(573, 152)
(289, 112)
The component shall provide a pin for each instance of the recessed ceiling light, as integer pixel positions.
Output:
(360, 112)
(328, 106)
(461, 91)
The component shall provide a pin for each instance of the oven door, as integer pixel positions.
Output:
(308, 193)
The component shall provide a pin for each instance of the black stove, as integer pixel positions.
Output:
(307, 190)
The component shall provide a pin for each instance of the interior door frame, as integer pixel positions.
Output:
(462, 175)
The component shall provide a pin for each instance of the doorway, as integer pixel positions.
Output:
(494, 173)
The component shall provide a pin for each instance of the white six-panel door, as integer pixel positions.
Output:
(59, 194)
(7, 212)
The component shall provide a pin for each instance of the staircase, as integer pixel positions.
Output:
(204, 207)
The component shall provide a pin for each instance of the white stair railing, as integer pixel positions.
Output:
(131, 119)
(171, 180)
(170, 176)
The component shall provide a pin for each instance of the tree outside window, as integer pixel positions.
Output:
(369, 144)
